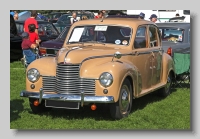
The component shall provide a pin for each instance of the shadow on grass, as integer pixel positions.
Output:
(102, 112)
(16, 107)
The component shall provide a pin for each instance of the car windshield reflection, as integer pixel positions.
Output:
(104, 34)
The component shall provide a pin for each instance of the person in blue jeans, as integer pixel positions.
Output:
(27, 47)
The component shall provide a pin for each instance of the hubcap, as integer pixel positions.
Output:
(168, 83)
(125, 100)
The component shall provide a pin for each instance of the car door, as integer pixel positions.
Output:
(142, 58)
(156, 52)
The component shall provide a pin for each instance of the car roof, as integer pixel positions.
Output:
(58, 13)
(183, 25)
(39, 21)
(114, 21)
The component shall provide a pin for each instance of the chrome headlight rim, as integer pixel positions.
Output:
(104, 85)
(37, 77)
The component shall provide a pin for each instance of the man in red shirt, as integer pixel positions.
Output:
(100, 15)
(31, 20)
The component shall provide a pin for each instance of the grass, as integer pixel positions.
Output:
(148, 112)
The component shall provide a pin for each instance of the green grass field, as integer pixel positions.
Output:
(148, 112)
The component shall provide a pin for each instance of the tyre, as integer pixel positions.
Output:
(165, 91)
(38, 109)
(123, 106)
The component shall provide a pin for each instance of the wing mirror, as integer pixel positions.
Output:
(117, 55)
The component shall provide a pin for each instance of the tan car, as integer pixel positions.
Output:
(110, 61)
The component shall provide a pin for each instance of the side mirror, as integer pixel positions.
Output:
(117, 55)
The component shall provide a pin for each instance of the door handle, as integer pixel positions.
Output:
(136, 53)
(151, 68)
(154, 67)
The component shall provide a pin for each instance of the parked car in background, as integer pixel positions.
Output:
(53, 17)
(60, 27)
(15, 41)
(175, 36)
(65, 18)
(51, 47)
(110, 62)
(47, 31)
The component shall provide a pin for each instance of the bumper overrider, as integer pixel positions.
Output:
(67, 97)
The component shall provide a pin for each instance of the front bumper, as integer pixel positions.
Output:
(67, 97)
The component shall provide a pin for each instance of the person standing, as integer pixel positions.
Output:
(31, 20)
(34, 38)
(100, 15)
(153, 18)
(74, 18)
(84, 17)
(141, 16)
(16, 15)
(27, 48)
(104, 13)
(177, 15)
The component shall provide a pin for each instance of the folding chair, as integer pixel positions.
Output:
(182, 69)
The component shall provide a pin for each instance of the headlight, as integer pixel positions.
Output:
(33, 75)
(106, 79)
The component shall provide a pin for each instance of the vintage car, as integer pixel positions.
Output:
(53, 16)
(51, 47)
(123, 64)
(175, 36)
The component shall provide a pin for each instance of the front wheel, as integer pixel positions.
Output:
(123, 106)
(165, 91)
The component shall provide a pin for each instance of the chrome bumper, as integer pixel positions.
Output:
(67, 97)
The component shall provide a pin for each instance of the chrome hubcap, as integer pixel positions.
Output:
(125, 99)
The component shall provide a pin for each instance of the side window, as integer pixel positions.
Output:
(101, 37)
(153, 32)
(20, 28)
(140, 38)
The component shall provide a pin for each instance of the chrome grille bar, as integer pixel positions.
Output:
(48, 83)
(67, 81)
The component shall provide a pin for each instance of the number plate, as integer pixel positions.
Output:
(62, 104)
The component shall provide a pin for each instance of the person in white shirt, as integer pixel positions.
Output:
(74, 18)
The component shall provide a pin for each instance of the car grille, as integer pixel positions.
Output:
(67, 81)
(48, 83)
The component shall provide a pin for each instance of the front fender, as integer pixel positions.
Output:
(46, 66)
(92, 69)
